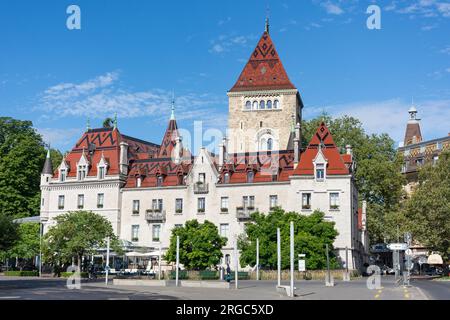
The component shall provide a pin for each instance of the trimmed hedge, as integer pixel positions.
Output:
(209, 275)
(21, 273)
(241, 275)
(182, 275)
(69, 274)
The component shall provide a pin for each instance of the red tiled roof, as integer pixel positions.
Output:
(106, 141)
(322, 139)
(264, 70)
(169, 140)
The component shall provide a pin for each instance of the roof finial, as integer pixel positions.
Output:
(172, 115)
(115, 121)
(266, 28)
(88, 124)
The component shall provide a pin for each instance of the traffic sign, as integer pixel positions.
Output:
(301, 265)
(408, 252)
(397, 246)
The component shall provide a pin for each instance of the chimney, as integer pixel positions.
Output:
(177, 150)
(222, 152)
(123, 158)
(297, 144)
(348, 149)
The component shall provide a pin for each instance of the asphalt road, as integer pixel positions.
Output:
(433, 289)
(56, 289)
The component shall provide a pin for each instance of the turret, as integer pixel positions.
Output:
(123, 158)
(47, 170)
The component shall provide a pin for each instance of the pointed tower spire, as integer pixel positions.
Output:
(267, 25)
(88, 124)
(172, 115)
(47, 169)
(115, 121)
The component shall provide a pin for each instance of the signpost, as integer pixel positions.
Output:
(301, 263)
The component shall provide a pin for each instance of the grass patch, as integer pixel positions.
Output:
(21, 273)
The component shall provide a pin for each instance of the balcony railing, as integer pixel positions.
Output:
(201, 188)
(155, 215)
(243, 213)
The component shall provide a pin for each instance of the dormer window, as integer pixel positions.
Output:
(82, 172)
(102, 167)
(226, 178)
(62, 175)
(250, 176)
(138, 182)
(159, 181)
(320, 171)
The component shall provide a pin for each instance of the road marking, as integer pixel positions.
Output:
(425, 297)
(10, 297)
(406, 295)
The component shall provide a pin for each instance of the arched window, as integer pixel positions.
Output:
(269, 144)
(262, 104)
(276, 104)
(269, 104)
(248, 105)
(255, 105)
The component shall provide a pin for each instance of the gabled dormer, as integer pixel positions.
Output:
(82, 167)
(102, 168)
(63, 170)
(320, 166)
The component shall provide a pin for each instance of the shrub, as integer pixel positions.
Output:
(241, 275)
(69, 274)
(182, 275)
(209, 275)
(21, 273)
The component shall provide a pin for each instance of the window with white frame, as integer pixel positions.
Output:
(248, 105)
(262, 104)
(334, 200)
(101, 173)
(248, 202)
(226, 178)
(224, 202)
(157, 205)
(224, 230)
(156, 232)
(276, 104)
(201, 203)
(306, 200)
(273, 199)
(135, 233)
(269, 104)
(82, 172)
(80, 202)
(136, 204)
(250, 176)
(100, 200)
(320, 171)
(178, 205)
(61, 202)
(159, 181)
(62, 175)
(138, 182)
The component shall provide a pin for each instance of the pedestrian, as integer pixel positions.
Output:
(228, 276)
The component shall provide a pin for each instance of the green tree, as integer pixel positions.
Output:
(200, 245)
(378, 169)
(108, 123)
(22, 156)
(28, 243)
(75, 235)
(428, 209)
(8, 232)
(311, 234)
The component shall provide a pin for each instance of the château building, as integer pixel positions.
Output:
(146, 189)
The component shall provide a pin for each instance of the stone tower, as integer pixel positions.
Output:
(413, 134)
(264, 106)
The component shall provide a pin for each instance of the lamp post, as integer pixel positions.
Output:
(257, 259)
(279, 256)
(236, 265)
(292, 258)
(107, 260)
(177, 261)
(159, 262)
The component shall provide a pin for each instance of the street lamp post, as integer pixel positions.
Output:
(236, 265)
(107, 260)
(177, 261)
(279, 256)
(292, 258)
(257, 259)
(159, 262)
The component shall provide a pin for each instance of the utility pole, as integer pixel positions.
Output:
(159, 262)
(292, 258)
(177, 261)
(236, 264)
(279, 256)
(107, 260)
(257, 259)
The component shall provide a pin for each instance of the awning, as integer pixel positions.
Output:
(152, 254)
(134, 254)
(434, 259)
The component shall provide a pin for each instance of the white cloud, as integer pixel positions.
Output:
(60, 137)
(100, 97)
(226, 43)
(332, 8)
(426, 8)
(391, 116)
(446, 50)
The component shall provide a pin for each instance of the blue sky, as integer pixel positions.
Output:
(130, 55)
